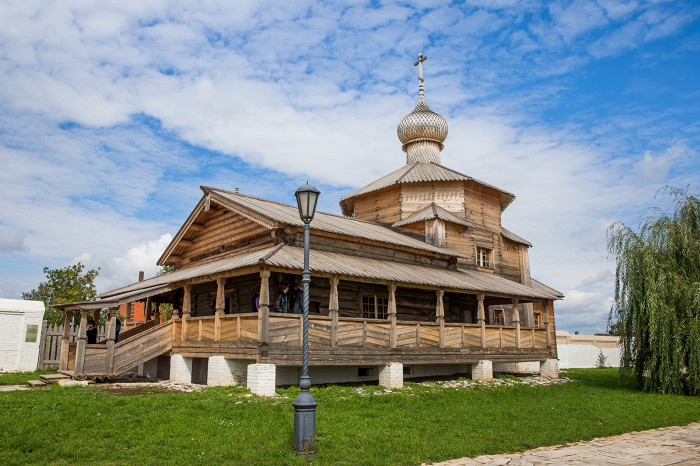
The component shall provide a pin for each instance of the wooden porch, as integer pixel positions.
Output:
(350, 341)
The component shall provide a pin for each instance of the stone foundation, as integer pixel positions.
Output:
(391, 375)
(180, 369)
(226, 372)
(483, 370)
(550, 368)
(261, 379)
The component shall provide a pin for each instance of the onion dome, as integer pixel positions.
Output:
(422, 132)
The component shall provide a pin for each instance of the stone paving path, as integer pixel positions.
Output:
(666, 446)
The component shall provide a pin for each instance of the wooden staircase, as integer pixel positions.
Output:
(136, 346)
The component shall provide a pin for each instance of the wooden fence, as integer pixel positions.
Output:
(50, 343)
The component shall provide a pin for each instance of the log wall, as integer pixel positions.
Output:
(220, 229)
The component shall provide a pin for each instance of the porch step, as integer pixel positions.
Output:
(53, 378)
(36, 383)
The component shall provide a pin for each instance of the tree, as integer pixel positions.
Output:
(657, 296)
(66, 285)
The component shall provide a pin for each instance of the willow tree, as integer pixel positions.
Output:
(657, 296)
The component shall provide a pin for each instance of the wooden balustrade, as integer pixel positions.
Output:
(286, 330)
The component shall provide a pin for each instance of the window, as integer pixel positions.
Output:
(375, 307)
(538, 319)
(498, 317)
(483, 257)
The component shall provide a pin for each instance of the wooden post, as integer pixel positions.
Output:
(417, 335)
(516, 319)
(364, 333)
(238, 329)
(156, 313)
(42, 344)
(65, 341)
(481, 318)
(264, 312)
(440, 315)
(392, 315)
(545, 320)
(147, 310)
(220, 306)
(186, 308)
(82, 341)
(111, 335)
(333, 310)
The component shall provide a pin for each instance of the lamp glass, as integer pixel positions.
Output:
(307, 197)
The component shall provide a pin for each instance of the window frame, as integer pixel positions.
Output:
(374, 306)
(484, 257)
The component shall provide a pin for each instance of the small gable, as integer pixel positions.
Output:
(212, 231)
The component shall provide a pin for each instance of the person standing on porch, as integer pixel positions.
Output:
(282, 301)
(91, 332)
(298, 299)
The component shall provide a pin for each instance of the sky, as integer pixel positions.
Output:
(113, 113)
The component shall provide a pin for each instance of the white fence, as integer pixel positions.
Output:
(585, 350)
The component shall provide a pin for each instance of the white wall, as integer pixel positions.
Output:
(17, 316)
(583, 350)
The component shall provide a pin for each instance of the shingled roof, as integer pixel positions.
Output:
(417, 173)
(325, 262)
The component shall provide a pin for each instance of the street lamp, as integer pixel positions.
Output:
(304, 404)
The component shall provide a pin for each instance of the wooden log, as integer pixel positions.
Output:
(111, 335)
(392, 315)
(516, 319)
(440, 316)
(65, 341)
(186, 309)
(264, 312)
(82, 341)
(333, 310)
(481, 318)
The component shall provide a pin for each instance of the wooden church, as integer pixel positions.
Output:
(417, 278)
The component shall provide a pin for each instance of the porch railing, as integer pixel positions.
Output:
(286, 329)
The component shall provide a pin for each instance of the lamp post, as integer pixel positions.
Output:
(304, 404)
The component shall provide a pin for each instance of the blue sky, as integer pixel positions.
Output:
(112, 114)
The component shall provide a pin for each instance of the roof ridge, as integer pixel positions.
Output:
(271, 253)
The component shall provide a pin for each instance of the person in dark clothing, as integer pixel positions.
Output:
(119, 328)
(91, 332)
(255, 304)
(282, 301)
(298, 299)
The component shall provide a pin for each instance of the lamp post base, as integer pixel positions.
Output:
(304, 422)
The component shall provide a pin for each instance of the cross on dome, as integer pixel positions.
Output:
(422, 131)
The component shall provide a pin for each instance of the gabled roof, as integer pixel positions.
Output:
(418, 173)
(431, 212)
(292, 258)
(275, 214)
(513, 237)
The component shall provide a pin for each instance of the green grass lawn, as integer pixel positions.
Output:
(409, 426)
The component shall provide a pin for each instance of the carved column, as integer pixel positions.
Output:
(516, 319)
(545, 320)
(111, 335)
(440, 315)
(186, 309)
(82, 341)
(65, 341)
(481, 318)
(264, 312)
(392, 315)
(220, 306)
(333, 310)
